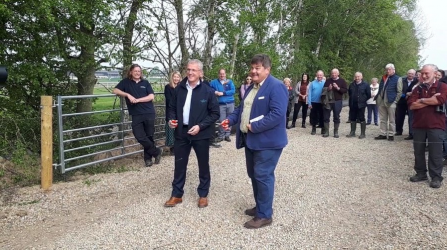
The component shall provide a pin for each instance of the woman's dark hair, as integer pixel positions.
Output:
(132, 67)
(302, 77)
(245, 80)
(442, 73)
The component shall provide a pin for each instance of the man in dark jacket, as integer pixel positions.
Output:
(359, 92)
(402, 107)
(193, 112)
(338, 87)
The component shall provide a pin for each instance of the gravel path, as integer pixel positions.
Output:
(330, 194)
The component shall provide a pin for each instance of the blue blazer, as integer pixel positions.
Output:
(269, 132)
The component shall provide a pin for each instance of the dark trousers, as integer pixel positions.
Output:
(356, 113)
(336, 109)
(182, 150)
(444, 151)
(401, 111)
(434, 138)
(372, 109)
(296, 110)
(143, 128)
(287, 114)
(316, 114)
(261, 165)
(410, 122)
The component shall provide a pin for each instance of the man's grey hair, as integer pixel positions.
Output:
(360, 73)
(390, 66)
(196, 61)
(374, 79)
(336, 70)
(435, 68)
(411, 71)
(320, 71)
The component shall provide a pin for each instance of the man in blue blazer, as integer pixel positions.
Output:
(261, 129)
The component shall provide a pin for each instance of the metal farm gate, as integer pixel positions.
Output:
(89, 138)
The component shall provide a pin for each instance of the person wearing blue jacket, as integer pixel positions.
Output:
(314, 102)
(261, 130)
(224, 90)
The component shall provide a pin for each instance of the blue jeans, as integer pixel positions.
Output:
(261, 165)
(372, 108)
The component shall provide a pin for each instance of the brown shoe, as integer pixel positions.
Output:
(203, 202)
(173, 201)
(251, 212)
(257, 223)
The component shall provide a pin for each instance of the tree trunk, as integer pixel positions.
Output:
(233, 59)
(181, 34)
(86, 72)
(320, 39)
(128, 55)
(211, 32)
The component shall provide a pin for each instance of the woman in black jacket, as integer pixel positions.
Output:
(287, 82)
(169, 92)
(359, 92)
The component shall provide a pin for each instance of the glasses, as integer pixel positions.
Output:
(192, 70)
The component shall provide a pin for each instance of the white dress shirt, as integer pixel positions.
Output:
(187, 105)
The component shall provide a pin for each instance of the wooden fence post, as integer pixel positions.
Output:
(46, 103)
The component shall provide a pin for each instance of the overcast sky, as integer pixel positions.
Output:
(435, 18)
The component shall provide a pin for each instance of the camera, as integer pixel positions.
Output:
(441, 109)
(3, 74)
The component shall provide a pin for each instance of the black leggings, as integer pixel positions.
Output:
(296, 110)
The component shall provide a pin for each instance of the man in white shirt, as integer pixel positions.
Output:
(193, 112)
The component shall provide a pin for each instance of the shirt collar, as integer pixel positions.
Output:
(189, 86)
(259, 85)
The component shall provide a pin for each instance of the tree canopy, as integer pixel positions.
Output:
(43, 41)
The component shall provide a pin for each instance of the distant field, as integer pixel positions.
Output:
(104, 103)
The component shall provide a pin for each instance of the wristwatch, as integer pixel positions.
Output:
(421, 100)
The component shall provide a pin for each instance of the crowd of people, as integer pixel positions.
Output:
(421, 95)
(200, 115)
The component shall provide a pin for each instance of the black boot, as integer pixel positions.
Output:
(362, 130)
(326, 130)
(293, 123)
(314, 130)
(287, 123)
(303, 125)
(336, 126)
(353, 128)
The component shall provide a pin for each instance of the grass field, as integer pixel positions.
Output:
(104, 103)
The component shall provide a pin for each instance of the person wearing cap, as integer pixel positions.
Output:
(390, 91)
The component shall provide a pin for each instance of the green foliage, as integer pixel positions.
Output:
(26, 169)
(308, 35)
(43, 41)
